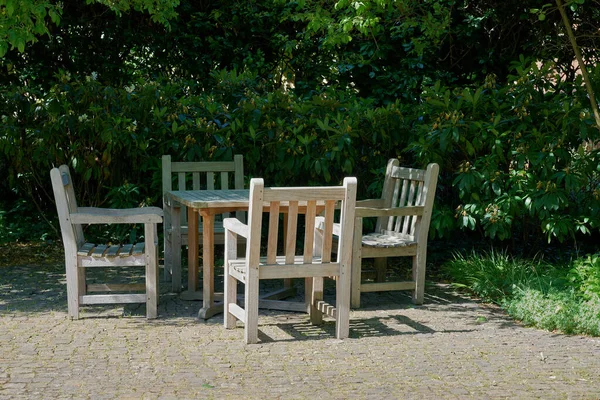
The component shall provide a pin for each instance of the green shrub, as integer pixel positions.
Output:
(535, 293)
(112, 137)
(564, 311)
(517, 155)
(493, 276)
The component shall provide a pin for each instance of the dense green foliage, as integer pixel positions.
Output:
(309, 92)
(535, 292)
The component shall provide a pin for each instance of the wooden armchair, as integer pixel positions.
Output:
(313, 262)
(80, 254)
(403, 214)
(208, 175)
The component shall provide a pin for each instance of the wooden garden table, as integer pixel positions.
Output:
(207, 204)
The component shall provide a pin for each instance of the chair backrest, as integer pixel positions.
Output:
(406, 187)
(296, 201)
(208, 175)
(64, 195)
(202, 175)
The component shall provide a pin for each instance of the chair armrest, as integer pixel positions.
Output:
(94, 215)
(389, 212)
(236, 226)
(370, 203)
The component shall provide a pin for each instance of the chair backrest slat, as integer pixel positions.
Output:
(329, 214)
(273, 230)
(309, 230)
(292, 225)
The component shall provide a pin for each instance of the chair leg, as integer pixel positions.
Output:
(356, 269)
(419, 276)
(342, 296)
(74, 285)
(151, 271)
(251, 307)
(168, 251)
(230, 296)
(380, 264)
(356, 272)
(314, 294)
(175, 250)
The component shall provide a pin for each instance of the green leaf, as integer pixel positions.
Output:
(496, 188)
(21, 45)
(10, 7)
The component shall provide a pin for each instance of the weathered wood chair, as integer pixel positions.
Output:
(313, 261)
(80, 254)
(403, 214)
(209, 175)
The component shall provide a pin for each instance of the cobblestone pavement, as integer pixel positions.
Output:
(450, 348)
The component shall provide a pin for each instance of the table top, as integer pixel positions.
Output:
(211, 198)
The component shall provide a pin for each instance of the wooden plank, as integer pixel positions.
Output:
(408, 173)
(309, 232)
(373, 252)
(306, 194)
(328, 231)
(196, 181)
(86, 249)
(386, 286)
(237, 311)
(326, 309)
(116, 287)
(99, 250)
(208, 261)
(151, 252)
(98, 262)
(192, 250)
(396, 211)
(224, 180)
(138, 249)
(203, 166)
(279, 294)
(125, 250)
(394, 224)
(210, 180)
(273, 233)
(112, 298)
(290, 236)
(113, 250)
(282, 305)
(94, 215)
(281, 271)
(181, 181)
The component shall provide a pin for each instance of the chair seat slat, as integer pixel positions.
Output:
(125, 250)
(99, 250)
(138, 249)
(86, 249)
(113, 250)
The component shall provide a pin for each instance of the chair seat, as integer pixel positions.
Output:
(118, 250)
(385, 241)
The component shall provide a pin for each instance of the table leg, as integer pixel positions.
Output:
(192, 250)
(209, 308)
